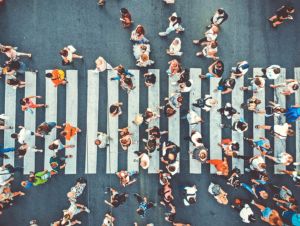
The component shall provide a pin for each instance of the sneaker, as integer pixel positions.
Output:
(247, 170)
(296, 163)
(87, 210)
(252, 202)
(221, 125)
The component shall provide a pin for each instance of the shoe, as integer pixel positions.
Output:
(296, 163)
(222, 125)
(87, 210)
(247, 170)
(10, 127)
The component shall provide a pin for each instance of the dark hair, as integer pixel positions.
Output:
(173, 18)
(113, 108)
(49, 75)
(251, 218)
(63, 52)
(257, 101)
(257, 81)
(140, 30)
(276, 70)
(53, 146)
(289, 8)
(295, 87)
(124, 10)
(14, 135)
(188, 84)
(221, 11)
(140, 211)
(192, 200)
(23, 101)
(63, 133)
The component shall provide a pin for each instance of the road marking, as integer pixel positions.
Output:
(50, 116)
(259, 119)
(92, 122)
(10, 111)
(133, 109)
(214, 128)
(237, 98)
(297, 129)
(72, 117)
(29, 121)
(112, 125)
(195, 165)
(174, 121)
(153, 103)
(279, 145)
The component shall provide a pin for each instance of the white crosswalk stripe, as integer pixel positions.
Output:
(72, 117)
(112, 125)
(153, 103)
(30, 121)
(93, 92)
(195, 165)
(133, 110)
(50, 116)
(258, 119)
(92, 122)
(10, 111)
(214, 128)
(237, 99)
(279, 145)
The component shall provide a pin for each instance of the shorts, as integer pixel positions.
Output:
(266, 212)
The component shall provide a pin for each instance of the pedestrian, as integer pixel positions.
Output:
(57, 77)
(174, 25)
(150, 115)
(68, 55)
(15, 83)
(210, 50)
(108, 218)
(282, 14)
(190, 195)
(124, 177)
(295, 174)
(210, 35)
(121, 71)
(115, 109)
(74, 209)
(200, 154)
(169, 1)
(258, 163)
(175, 99)
(58, 163)
(125, 18)
(244, 209)
(292, 114)
(274, 109)
(238, 125)
(166, 194)
(33, 223)
(150, 79)
(24, 148)
(125, 138)
(219, 17)
(144, 60)
(192, 117)
(206, 103)
(144, 205)
(175, 47)
(24, 134)
(168, 109)
(278, 131)
(77, 189)
(251, 105)
(102, 140)
(228, 111)
(289, 87)
(12, 54)
(241, 69)
(101, 2)
(174, 68)
(13, 68)
(226, 85)
(220, 165)
(36, 179)
(116, 198)
(143, 158)
(262, 144)
(45, 128)
(195, 138)
(219, 194)
(3, 118)
(291, 217)
(257, 84)
(138, 35)
(283, 158)
(271, 72)
(57, 145)
(270, 216)
(215, 70)
(27, 104)
(102, 65)
(258, 190)
(69, 131)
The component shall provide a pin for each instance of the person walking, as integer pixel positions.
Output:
(68, 55)
(174, 25)
(57, 77)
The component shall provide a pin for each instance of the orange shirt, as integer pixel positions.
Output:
(70, 130)
(58, 76)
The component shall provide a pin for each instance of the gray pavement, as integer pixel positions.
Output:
(44, 27)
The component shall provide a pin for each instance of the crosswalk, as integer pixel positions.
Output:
(94, 89)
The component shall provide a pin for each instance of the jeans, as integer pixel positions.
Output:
(118, 77)
(247, 187)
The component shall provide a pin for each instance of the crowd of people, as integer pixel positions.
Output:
(282, 208)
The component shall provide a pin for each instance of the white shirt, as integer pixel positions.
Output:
(194, 138)
(245, 213)
(190, 192)
(23, 135)
(210, 35)
(270, 72)
(193, 117)
(245, 70)
(281, 131)
(255, 164)
(103, 138)
(187, 89)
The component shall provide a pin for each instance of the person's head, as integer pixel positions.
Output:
(263, 165)
(113, 109)
(97, 142)
(176, 41)
(282, 110)
(144, 57)
(140, 30)
(290, 132)
(173, 18)
(295, 87)
(24, 183)
(290, 9)
(257, 101)
(252, 218)
(180, 99)
(244, 126)
(257, 82)
(263, 194)
(71, 194)
(192, 200)
(14, 135)
(10, 81)
(276, 70)
(220, 11)
(123, 10)
(214, 44)
(215, 29)
(53, 146)
(275, 220)
(188, 84)
(171, 169)
(49, 75)
(140, 211)
(63, 52)
(23, 101)
(219, 64)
